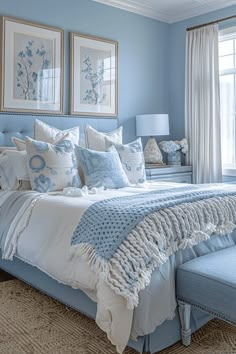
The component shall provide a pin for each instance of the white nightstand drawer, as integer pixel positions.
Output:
(177, 179)
(179, 174)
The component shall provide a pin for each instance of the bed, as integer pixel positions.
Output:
(155, 329)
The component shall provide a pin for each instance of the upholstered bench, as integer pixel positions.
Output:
(208, 283)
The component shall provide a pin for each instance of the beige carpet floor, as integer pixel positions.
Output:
(33, 323)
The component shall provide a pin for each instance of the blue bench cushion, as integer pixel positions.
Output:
(209, 282)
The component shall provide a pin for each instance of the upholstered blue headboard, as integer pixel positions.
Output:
(21, 125)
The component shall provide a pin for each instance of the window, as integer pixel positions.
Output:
(227, 65)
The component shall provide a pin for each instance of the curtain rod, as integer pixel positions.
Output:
(211, 23)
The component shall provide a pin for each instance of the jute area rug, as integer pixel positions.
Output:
(33, 323)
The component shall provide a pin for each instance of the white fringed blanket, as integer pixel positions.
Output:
(126, 238)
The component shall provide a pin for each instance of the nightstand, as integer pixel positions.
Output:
(180, 174)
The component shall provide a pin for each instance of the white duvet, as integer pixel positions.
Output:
(45, 243)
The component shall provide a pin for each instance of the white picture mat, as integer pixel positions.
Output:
(9, 101)
(98, 45)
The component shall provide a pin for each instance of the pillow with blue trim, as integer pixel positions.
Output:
(102, 168)
(52, 167)
(132, 159)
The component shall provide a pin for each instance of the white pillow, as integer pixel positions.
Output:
(52, 167)
(132, 160)
(96, 140)
(52, 135)
(14, 173)
(44, 132)
(19, 143)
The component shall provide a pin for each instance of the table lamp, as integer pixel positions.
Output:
(152, 125)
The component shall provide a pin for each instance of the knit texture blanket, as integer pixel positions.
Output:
(125, 238)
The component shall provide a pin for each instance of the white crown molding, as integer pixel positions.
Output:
(132, 6)
(148, 11)
(201, 10)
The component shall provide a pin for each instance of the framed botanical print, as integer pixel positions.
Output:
(32, 67)
(93, 78)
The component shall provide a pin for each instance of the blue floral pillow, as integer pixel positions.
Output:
(52, 167)
(132, 160)
(102, 168)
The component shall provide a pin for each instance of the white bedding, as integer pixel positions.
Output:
(45, 243)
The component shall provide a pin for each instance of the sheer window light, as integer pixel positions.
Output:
(227, 65)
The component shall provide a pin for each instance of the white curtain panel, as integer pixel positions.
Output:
(202, 104)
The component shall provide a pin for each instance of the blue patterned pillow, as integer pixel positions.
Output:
(52, 167)
(132, 159)
(102, 168)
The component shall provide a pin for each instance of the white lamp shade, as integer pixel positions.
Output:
(152, 124)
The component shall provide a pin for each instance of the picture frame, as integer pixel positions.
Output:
(31, 67)
(93, 76)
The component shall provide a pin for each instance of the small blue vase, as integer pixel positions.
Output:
(174, 158)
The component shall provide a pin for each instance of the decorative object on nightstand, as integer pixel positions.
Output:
(174, 150)
(152, 125)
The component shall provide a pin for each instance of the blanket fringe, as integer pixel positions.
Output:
(96, 263)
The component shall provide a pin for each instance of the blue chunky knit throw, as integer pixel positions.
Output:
(126, 238)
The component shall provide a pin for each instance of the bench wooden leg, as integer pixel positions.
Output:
(184, 314)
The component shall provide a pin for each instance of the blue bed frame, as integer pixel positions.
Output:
(165, 335)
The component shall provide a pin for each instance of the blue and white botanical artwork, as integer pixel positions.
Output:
(34, 68)
(95, 76)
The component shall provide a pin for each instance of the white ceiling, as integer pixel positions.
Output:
(169, 10)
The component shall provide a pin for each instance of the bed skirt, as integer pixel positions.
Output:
(164, 336)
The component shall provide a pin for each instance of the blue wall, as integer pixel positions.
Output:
(177, 64)
(143, 49)
(151, 53)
